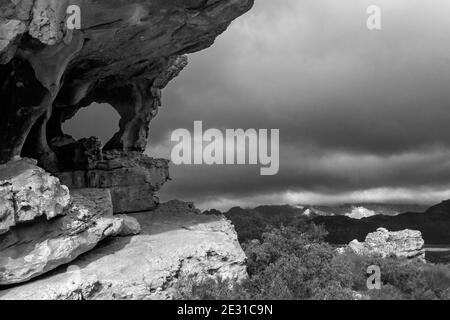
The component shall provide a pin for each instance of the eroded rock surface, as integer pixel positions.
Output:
(27, 192)
(124, 54)
(31, 250)
(402, 244)
(175, 240)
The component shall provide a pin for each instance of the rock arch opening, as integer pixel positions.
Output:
(99, 120)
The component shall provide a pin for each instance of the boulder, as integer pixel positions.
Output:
(402, 244)
(175, 240)
(129, 225)
(27, 192)
(28, 251)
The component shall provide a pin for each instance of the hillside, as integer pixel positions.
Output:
(434, 224)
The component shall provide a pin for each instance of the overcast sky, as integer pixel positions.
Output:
(363, 115)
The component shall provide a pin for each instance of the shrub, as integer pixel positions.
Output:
(294, 262)
(287, 264)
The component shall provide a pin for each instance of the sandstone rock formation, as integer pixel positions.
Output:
(28, 251)
(175, 240)
(124, 54)
(402, 244)
(132, 178)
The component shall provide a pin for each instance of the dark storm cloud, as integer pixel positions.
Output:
(363, 115)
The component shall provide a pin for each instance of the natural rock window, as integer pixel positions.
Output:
(99, 120)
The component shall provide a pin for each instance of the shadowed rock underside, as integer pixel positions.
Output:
(124, 54)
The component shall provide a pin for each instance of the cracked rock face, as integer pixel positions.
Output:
(175, 240)
(131, 178)
(27, 192)
(29, 251)
(402, 244)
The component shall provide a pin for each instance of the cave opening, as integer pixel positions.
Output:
(99, 120)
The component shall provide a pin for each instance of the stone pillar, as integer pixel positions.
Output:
(137, 106)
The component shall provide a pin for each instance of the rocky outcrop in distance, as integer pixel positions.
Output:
(434, 224)
(407, 244)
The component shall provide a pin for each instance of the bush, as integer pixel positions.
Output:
(287, 264)
(294, 263)
(401, 279)
(190, 288)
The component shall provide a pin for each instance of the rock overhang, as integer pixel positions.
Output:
(132, 46)
(121, 33)
(124, 54)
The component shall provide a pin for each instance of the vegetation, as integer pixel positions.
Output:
(251, 224)
(433, 223)
(294, 262)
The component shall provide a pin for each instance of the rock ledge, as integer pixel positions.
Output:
(175, 240)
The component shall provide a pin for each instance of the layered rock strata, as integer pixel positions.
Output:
(132, 178)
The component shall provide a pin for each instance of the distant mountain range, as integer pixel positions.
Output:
(361, 210)
(434, 223)
(347, 222)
